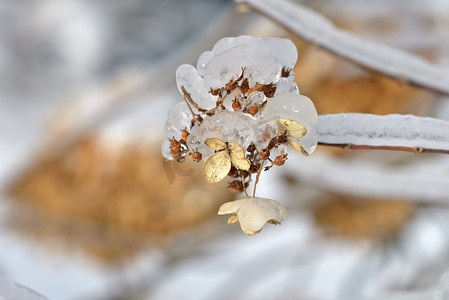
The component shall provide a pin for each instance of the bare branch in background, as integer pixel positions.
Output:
(390, 132)
(389, 61)
(423, 180)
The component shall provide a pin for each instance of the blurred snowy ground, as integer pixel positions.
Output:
(71, 67)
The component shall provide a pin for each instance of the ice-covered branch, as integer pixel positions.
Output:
(315, 28)
(389, 132)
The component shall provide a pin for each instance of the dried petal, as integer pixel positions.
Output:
(253, 213)
(215, 143)
(294, 129)
(297, 146)
(232, 219)
(217, 166)
(238, 156)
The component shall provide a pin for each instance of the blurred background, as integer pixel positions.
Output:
(90, 209)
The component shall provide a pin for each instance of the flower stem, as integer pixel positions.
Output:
(257, 177)
(187, 99)
(244, 186)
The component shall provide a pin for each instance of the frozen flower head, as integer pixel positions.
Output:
(253, 213)
(241, 108)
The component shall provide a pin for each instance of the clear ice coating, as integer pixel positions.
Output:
(179, 117)
(262, 62)
(188, 77)
(298, 108)
(259, 67)
(286, 85)
(166, 150)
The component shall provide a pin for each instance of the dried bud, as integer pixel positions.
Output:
(282, 139)
(251, 148)
(285, 72)
(280, 160)
(253, 169)
(268, 90)
(245, 173)
(215, 92)
(256, 87)
(264, 154)
(185, 134)
(253, 109)
(244, 86)
(234, 173)
(272, 144)
(235, 187)
(236, 105)
(197, 156)
(175, 148)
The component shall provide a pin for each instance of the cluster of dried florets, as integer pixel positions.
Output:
(241, 109)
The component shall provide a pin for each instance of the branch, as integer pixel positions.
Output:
(423, 181)
(349, 146)
(409, 133)
(389, 61)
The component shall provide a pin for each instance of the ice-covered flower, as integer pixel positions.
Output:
(300, 109)
(240, 74)
(241, 102)
(253, 213)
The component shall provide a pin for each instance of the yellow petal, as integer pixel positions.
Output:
(294, 129)
(236, 150)
(232, 219)
(297, 146)
(217, 166)
(215, 143)
(240, 163)
(238, 156)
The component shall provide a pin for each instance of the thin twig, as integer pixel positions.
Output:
(184, 95)
(243, 183)
(257, 177)
(189, 98)
(349, 146)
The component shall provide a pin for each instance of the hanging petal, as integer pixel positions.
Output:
(253, 213)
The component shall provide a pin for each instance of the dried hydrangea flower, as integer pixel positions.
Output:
(218, 165)
(253, 213)
(240, 103)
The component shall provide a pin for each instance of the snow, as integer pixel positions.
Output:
(317, 29)
(387, 130)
